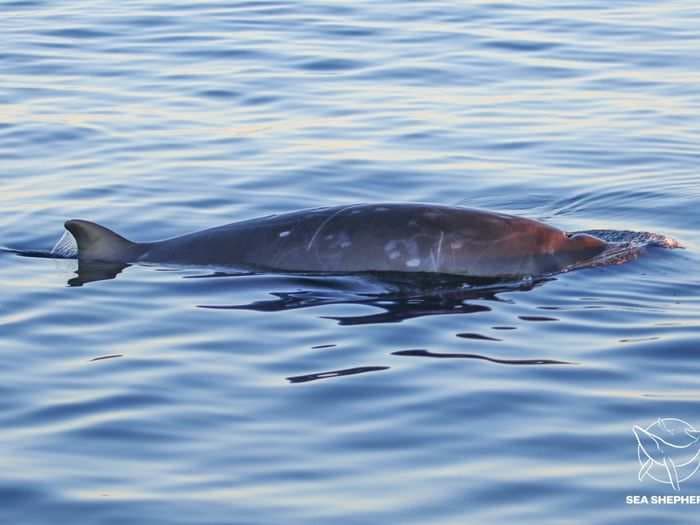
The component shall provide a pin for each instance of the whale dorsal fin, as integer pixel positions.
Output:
(97, 243)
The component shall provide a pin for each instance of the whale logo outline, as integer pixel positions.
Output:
(671, 445)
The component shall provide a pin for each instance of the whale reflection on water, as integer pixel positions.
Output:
(396, 299)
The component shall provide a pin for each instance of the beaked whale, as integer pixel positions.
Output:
(360, 238)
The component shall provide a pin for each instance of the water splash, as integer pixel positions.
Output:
(625, 246)
(635, 239)
(65, 247)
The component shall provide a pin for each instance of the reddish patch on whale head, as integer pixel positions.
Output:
(582, 242)
(580, 247)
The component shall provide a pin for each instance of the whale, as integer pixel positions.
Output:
(384, 237)
(669, 443)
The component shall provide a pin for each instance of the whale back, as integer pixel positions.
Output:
(391, 237)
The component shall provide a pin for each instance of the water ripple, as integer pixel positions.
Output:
(162, 395)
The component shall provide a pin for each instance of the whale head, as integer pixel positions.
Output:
(579, 247)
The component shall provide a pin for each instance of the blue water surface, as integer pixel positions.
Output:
(189, 396)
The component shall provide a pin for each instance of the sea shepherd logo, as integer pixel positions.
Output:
(668, 451)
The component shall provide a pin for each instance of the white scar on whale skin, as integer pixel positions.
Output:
(436, 258)
(325, 222)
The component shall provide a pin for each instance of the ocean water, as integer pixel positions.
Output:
(171, 395)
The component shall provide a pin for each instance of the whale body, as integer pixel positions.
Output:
(359, 238)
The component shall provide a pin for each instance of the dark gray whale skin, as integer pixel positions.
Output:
(360, 238)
